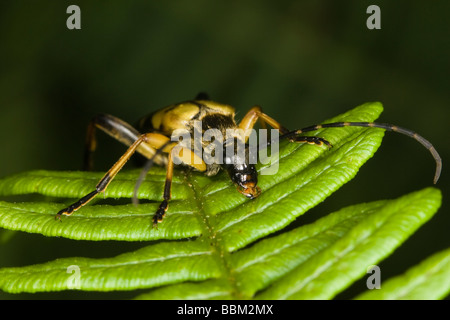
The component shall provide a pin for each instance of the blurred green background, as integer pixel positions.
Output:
(302, 61)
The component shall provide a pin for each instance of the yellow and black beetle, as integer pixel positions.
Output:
(156, 145)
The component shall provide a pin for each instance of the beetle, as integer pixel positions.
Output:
(152, 139)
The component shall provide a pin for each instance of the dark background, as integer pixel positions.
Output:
(302, 61)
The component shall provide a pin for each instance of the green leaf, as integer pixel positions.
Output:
(361, 236)
(428, 280)
(216, 246)
(154, 265)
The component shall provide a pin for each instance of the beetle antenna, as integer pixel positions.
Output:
(144, 172)
(388, 127)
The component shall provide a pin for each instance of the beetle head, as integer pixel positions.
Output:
(242, 172)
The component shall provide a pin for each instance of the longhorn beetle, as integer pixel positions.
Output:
(152, 139)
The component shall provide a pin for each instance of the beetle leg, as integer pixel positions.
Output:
(154, 140)
(161, 212)
(311, 140)
(256, 113)
(186, 156)
(161, 143)
(119, 130)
